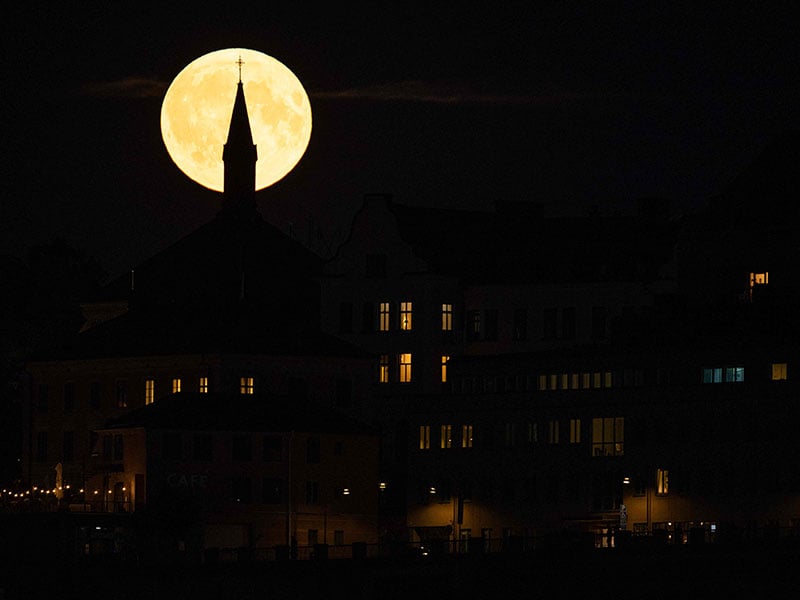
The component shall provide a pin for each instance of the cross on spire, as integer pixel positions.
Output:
(240, 62)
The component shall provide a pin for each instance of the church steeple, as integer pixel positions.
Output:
(239, 156)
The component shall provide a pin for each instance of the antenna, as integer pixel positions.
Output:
(240, 62)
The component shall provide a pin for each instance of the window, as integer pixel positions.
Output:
(568, 323)
(778, 371)
(405, 368)
(466, 436)
(444, 368)
(242, 448)
(312, 492)
(723, 374)
(662, 482)
(95, 393)
(338, 537)
(41, 446)
(549, 323)
(44, 392)
(313, 537)
(368, 317)
(202, 448)
(447, 317)
(149, 391)
(246, 385)
(272, 490)
(204, 385)
(384, 322)
(511, 435)
(574, 431)
(552, 432)
(273, 448)
(474, 324)
(69, 396)
(383, 368)
(533, 433)
(490, 328)
(424, 437)
(599, 318)
(176, 385)
(312, 450)
(608, 436)
(520, 327)
(68, 446)
(405, 316)
(122, 394)
(172, 448)
(345, 317)
(242, 489)
(118, 446)
(446, 440)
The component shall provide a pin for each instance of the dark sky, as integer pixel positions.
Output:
(562, 103)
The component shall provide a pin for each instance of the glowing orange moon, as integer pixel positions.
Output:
(196, 114)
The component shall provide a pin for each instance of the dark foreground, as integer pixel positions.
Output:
(712, 572)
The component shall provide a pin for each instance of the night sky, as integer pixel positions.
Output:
(566, 104)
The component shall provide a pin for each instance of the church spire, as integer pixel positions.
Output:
(239, 156)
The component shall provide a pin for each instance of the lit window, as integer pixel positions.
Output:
(595, 380)
(444, 368)
(608, 436)
(778, 371)
(576, 381)
(552, 432)
(405, 368)
(585, 380)
(383, 368)
(246, 385)
(176, 385)
(405, 316)
(383, 316)
(565, 381)
(149, 391)
(204, 385)
(553, 382)
(574, 431)
(447, 436)
(759, 279)
(607, 379)
(466, 436)
(662, 482)
(424, 437)
(533, 433)
(447, 317)
(727, 374)
(542, 382)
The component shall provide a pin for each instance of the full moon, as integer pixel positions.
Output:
(196, 114)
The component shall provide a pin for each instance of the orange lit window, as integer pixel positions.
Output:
(424, 437)
(444, 368)
(405, 368)
(446, 440)
(246, 385)
(608, 436)
(383, 316)
(149, 391)
(176, 385)
(778, 371)
(662, 482)
(759, 279)
(466, 436)
(405, 316)
(383, 368)
(447, 317)
(204, 385)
